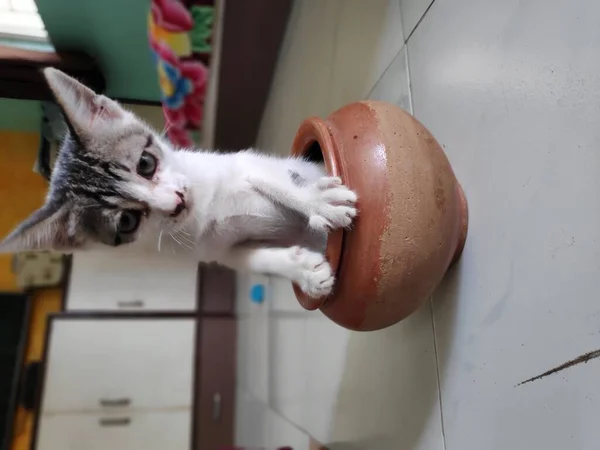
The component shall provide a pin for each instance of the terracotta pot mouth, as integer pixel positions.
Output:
(314, 142)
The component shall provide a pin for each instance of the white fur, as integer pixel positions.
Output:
(244, 210)
(222, 188)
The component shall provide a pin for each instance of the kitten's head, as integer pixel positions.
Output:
(115, 180)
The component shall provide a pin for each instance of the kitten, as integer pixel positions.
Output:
(118, 184)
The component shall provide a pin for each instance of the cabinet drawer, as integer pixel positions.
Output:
(110, 364)
(138, 431)
(103, 281)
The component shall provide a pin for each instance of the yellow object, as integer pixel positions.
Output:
(45, 302)
(179, 43)
(166, 86)
(21, 192)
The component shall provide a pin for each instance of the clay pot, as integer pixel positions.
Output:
(412, 221)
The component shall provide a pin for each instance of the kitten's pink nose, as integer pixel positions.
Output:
(180, 205)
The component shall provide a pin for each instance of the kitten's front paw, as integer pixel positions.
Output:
(313, 274)
(333, 205)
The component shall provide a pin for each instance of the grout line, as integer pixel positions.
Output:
(273, 407)
(409, 79)
(289, 421)
(437, 367)
(393, 59)
(420, 20)
(385, 71)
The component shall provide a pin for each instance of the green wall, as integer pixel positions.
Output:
(114, 33)
(20, 115)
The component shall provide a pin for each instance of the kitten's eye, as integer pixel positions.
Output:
(129, 221)
(147, 165)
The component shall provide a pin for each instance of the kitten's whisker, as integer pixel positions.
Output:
(160, 239)
(174, 238)
(187, 241)
(185, 238)
(93, 205)
(165, 130)
(181, 231)
(179, 242)
(190, 243)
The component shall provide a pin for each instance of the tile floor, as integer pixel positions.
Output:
(511, 89)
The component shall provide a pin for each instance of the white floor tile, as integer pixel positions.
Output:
(326, 353)
(287, 383)
(301, 84)
(280, 433)
(412, 11)
(253, 369)
(334, 53)
(250, 418)
(349, 390)
(511, 89)
(258, 426)
(242, 300)
(368, 37)
(394, 86)
(388, 394)
(253, 356)
(283, 299)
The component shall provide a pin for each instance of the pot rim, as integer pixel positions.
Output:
(315, 130)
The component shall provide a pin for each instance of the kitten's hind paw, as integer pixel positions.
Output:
(333, 205)
(313, 272)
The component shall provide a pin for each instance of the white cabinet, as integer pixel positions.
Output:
(142, 363)
(119, 281)
(130, 431)
(118, 383)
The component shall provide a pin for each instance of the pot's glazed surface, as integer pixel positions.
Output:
(412, 221)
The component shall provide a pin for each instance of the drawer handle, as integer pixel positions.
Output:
(131, 304)
(114, 403)
(115, 422)
(216, 406)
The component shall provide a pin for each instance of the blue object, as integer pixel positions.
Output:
(257, 293)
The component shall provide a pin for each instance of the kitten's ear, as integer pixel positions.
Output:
(45, 229)
(85, 111)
